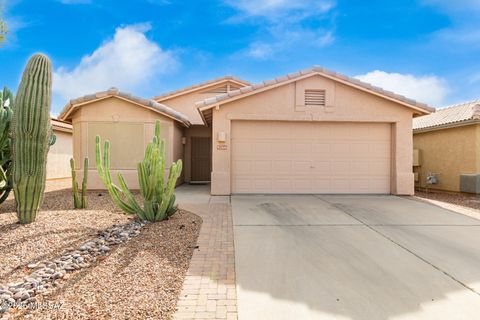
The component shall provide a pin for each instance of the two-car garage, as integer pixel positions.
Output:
(312, 132)
(310, 157)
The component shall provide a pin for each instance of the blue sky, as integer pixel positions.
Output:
(426, 49)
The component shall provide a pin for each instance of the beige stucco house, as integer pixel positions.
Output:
(58, 158)
(313, 131)
(447, 145)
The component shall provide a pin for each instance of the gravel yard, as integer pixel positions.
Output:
(139, 279)
(461, 199)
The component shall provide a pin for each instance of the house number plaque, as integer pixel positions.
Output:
(221, 147)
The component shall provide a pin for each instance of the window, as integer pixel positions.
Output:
(314, 97)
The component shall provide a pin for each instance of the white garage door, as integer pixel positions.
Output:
(310, 157)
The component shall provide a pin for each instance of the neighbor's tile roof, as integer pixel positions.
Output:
(452, 114)
(114, 92)
(199, 86)
(314, 70)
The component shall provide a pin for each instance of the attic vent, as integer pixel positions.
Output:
(314, 97)
(222, 89)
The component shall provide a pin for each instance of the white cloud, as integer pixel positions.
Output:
(282, 40)
(128, 61)
(284, 24)
(279, 9)
(428, 89)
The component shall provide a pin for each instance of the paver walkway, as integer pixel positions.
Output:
(209, 288)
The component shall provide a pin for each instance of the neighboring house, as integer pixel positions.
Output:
(448, 144)
(313, 131)
(59, 155)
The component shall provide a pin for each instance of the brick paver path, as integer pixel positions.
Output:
(209, 289)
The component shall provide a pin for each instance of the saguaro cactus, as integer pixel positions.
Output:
(158, 196)
(79, 197)
(6, 102)
(32, 136)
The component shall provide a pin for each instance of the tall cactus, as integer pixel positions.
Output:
(158, 195)
(6, 103)
(79, 197)
(32, 136)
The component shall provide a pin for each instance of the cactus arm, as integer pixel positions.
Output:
(175, 170)
(103, 168)
(171, 209)
(84, 182)
(128, 195)
(53, 139)
(76, 202)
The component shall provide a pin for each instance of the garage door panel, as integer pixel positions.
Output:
(302, 148)
(319, 149)
(279, 147)
(340, 149)
(361, 167)
(262, 147)
(242, 166)
(322, 185)
(282, 166)
(322, 167)
(309, 157)
(302, 166)
(263, 166)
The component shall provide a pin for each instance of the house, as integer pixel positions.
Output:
(59, 155)
(313, 131)
(448, 146)
(128, 123)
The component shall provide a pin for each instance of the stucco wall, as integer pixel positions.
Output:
(115, 115)
(58, 159)
(449, 152)
(344, 103)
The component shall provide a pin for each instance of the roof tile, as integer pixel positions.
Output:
(452, 114)
(112, 92)
(199, 85)
(315, 69)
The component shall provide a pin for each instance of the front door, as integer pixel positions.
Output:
(201, 159)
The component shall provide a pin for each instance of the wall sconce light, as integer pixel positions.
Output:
(184, 140)
(221, 136)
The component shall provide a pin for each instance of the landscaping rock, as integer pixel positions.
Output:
(47, 272)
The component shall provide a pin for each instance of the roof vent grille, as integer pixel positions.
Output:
(314, 97)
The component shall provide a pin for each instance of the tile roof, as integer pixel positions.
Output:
(314, 70)
(61, 125)
(198, 86)
(114, 92)
(449, 115)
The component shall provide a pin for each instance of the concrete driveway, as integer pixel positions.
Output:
(354, 257)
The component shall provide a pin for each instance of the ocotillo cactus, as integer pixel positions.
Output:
(158, 196)
(32, 136)
(79, 198)
(6, 102)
